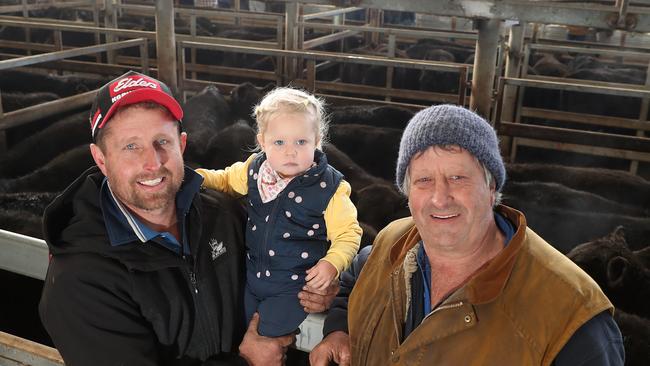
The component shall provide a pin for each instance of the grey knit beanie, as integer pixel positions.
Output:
(451, 125)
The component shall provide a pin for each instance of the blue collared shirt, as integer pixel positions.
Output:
(123, 227)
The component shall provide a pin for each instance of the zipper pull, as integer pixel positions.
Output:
(193, 280)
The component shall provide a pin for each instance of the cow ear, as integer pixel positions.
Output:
(616, 271)
(618, 235)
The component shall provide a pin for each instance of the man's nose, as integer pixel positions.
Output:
(152, 159)
(441, 194)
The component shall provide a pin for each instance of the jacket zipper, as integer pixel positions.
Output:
(263, 247)
(193, 281)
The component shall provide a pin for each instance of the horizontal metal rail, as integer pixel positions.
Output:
(396, 31)
(23, 255)
(330, 13)
(317, 55)
(589, 50)
(630, 91)
(60, 55)
(46, 109)
(37, 6)
(58, 25)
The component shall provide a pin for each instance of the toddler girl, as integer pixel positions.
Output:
(297, 206)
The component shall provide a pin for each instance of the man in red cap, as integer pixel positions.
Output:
(145, 269)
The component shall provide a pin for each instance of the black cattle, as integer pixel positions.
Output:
(54, 176)
(369, 234)
(620, 273)
(636, 337)
(354, 174)
(30, 202)
(564, 229)
(243, 99)
(12, 101)
(439, 81)
(206, 114)
(21, 222)
(373, 148)
(549, 65)
(61, 85)
(615, 185)
(379, 204)
(232, 144)
(39, 148)
(378, 116)
(559, 196)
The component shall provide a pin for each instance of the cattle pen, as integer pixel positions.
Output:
(552, 95)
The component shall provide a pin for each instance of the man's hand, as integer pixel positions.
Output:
(259, 350)
(317, 301)
(335, 347)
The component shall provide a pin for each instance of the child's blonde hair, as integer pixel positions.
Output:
(290, 100)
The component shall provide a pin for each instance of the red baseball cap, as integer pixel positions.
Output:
(130, 88)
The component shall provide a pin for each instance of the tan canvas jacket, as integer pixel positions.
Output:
(520, 309)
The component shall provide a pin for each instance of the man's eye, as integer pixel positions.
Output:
(455, 177)
(163, 142)
(130, 147)
(423, 180)
(278, 142)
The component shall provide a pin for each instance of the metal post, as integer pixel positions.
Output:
(513, 65)
(110, 21)
(166, 44)
(643, 116)
(484, 61)
(291, 38)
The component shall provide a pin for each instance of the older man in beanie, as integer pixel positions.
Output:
(464, 281)
(145, 269)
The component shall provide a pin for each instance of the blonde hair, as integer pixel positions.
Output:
(290, 100)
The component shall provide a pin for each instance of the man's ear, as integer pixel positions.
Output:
(99, 157)
(183, 140)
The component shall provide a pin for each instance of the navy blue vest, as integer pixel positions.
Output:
(287, 235)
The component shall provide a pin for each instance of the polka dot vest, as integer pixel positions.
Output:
(286, 236)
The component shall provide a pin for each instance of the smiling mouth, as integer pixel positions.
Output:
(443, 217)
(151, 182)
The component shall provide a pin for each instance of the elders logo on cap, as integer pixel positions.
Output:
(130, 88)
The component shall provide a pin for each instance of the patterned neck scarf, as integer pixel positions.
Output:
(270, 183)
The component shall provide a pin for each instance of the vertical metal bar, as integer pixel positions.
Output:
(28, 31)
(643, 116)
(390, 70)
(110, 21)
(520, 101)
(192, 50)
(462, 85)
(513, 65)
(182, 72)
(144, 56)
(484, 61)
(3, 133)
(311, 76)
(98, 58)
(166, 44)
(279, 60)
(290, 41)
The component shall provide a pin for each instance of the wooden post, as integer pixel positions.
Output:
(166, 44)
(110, 21)
(484, 63)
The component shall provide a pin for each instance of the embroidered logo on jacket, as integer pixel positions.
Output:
(218, 249)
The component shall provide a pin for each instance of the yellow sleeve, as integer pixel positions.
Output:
(343, 229)
(232, 180)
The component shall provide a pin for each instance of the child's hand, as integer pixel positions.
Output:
(321, 275)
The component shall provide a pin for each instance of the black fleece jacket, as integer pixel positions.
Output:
(140, 303)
